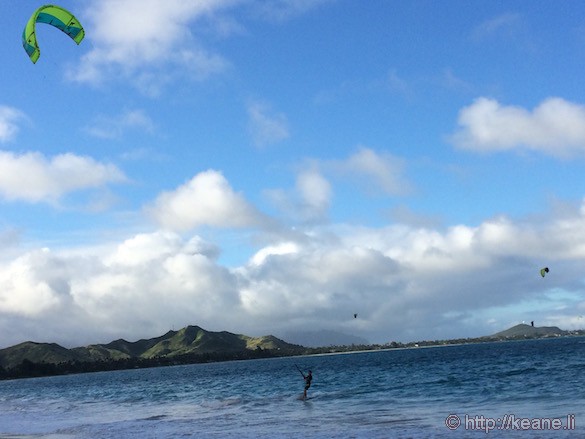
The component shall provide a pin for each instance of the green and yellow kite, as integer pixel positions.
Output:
(55, 16)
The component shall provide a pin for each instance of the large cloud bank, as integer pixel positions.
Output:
(400, 280)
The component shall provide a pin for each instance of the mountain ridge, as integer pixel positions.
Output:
(191, 340)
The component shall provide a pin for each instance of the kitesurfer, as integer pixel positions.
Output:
(308, 378)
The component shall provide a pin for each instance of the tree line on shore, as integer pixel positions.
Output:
(30, 369)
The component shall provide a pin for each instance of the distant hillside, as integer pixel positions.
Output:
(37, 353)
(191, 340)
(527, 331)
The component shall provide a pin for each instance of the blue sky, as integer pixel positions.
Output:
(266, 167)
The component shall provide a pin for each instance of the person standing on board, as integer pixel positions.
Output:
(308, 378)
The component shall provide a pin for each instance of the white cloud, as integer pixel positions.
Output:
(33, 177)
(555, 127)
(9, 118)
(311, 198)
(143, 286)
(404, 215)
(283, 248)
(381, 171)
(145, 247)
(309, 201)
(409, 277)
(317, 285)
(266, 126)
(506, 24)
(315, 190)
(315, 193)
(113, 127)
(207, 199)
(25, 291)
(128, 35)
(9, 237)
(151, 43)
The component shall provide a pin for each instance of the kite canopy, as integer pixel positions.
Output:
(544, 271)
(55, 16)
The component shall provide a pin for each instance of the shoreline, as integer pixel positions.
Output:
(440, 345)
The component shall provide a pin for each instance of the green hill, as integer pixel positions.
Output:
(191, 340)
(527, 331)
(37, 353)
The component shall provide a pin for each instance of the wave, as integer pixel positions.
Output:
(522, 371)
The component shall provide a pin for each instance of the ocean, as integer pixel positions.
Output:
(518, 389)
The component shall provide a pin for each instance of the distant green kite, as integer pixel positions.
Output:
(544, 271)
(55, 16)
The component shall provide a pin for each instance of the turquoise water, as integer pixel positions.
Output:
(383, 394)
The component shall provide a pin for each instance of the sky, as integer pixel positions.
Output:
(272, 167)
